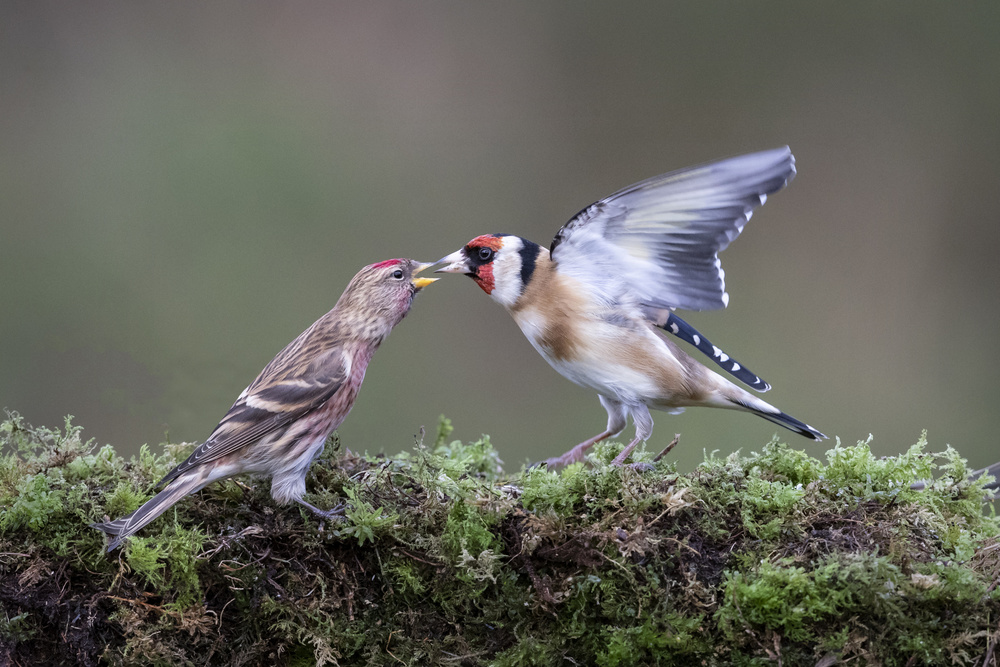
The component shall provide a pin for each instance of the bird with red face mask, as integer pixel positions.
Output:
(591, 303)
(279, 424)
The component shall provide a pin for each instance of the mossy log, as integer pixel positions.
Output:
(769, 558)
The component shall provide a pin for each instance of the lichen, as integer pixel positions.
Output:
(443, 558)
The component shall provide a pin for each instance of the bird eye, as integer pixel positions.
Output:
(397, 274)
(485, 254)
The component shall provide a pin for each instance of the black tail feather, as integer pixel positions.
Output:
(689, 334)
(780, 418)
(791, 423)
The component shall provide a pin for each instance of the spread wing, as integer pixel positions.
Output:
(303, 377)
(660, 238)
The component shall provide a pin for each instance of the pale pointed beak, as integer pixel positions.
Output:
(456, 263)
(421, 283)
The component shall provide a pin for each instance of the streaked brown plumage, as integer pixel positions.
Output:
(278, 425)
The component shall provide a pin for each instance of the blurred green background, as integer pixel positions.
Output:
(185, 186)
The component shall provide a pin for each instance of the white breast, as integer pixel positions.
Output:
(600, 360)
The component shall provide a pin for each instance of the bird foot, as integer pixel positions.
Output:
(337, 511)
(574, 455)
(620, 459)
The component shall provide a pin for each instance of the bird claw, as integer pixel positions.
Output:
(575, 455)
(337, 511)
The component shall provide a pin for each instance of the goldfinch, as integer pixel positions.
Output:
(279, 424)
(592, 303)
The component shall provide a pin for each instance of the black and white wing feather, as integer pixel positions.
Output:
(660, 238)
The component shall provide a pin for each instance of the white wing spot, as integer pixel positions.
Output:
(674, 328)
(697, 339)
(736, 367)
(763, 198)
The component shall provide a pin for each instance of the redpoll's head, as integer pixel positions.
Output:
(380, 295)
(500, 264)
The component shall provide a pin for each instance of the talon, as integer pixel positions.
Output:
(575, 455)
(336, 511)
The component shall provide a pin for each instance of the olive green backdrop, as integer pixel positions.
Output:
(185, 186)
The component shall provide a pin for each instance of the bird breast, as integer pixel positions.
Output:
(608, 352)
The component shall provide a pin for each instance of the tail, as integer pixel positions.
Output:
(689, 334)
(152, 508)
(772, 414)
(791, 423)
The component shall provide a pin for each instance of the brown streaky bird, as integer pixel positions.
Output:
(279, 424)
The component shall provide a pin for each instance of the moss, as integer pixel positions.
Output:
(443, 558)
(364, 521)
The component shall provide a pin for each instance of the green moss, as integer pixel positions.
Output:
(796, 601)
(468, 542)
(672, 639)
(442, 558)
(17, 629)
(547, 491)
(770, 507)
(33, 505)
(364, 521)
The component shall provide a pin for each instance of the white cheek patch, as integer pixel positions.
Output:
(507, 273)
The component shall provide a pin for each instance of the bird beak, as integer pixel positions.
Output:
(456, 263)
(421, 283)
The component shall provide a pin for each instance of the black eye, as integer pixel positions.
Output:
(397, 274)
(485, 254)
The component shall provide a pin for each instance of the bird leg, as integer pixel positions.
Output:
(617, 419)
(643, 429)
(575, 455)
(336, 511)
(620, 459)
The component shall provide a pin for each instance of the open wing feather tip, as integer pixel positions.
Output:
(662, 236)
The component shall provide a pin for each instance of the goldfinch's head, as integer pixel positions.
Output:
(501, 264)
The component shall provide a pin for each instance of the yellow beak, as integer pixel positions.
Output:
(421, 283)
